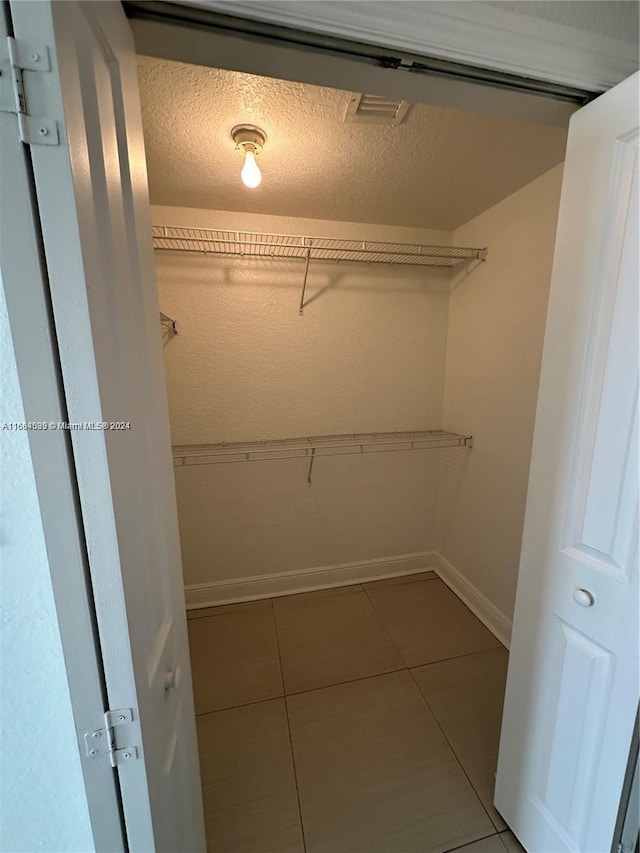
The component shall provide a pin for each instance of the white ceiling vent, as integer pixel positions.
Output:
(376, 109)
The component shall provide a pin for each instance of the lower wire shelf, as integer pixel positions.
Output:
(311, 447)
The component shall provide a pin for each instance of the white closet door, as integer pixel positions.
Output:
(572, 689)
(93, 203)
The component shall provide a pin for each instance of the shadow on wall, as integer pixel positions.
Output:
(462, 272)
(453, 463)
(167, 334)
(323, 275)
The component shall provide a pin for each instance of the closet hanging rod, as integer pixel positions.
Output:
(314, 446)
(261, 245)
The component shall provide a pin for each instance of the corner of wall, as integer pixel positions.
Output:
(497, 315)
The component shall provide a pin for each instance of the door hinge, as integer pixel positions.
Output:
(18, 56)
(104, 741)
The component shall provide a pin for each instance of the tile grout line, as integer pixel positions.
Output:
(458, 657)
(469, 843)
(339, 683)
(286, 711)
(386, 630)
(384, 627)
(455, 755)
(360, 584)
(239, 705)
(300, 692)
(429, 663)
(346, 681)
(424, 699)
(284, 695)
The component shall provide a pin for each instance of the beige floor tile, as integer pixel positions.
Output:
(326, 639)
(420, 576)
(219, 609)
(319, 593)
(429, 623)
(234, 657)
(248, 782)
(375, 774)
(493, 844)
(511, 842)
(466, 697)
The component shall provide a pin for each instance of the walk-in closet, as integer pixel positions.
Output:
(353, 293)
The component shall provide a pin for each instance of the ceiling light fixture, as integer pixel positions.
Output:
(249, 141)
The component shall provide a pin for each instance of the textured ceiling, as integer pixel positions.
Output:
(438, 169)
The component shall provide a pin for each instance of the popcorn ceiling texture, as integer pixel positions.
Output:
(438, 169)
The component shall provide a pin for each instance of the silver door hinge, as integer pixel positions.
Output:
(104, 742)
(16, 57)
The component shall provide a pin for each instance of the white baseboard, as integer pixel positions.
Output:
(305, 580)
(485, 610)
(325, 577)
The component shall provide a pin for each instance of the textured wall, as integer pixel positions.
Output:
(367, 355)
(497, 317)
(43, 799)
(246, 519)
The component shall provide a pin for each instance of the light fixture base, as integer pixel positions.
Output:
(248, 137)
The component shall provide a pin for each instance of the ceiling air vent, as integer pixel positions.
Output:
(376, 109)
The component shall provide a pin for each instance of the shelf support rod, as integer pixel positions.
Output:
(304, 283)
(313, 456)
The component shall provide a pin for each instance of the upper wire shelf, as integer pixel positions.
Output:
(250, 244)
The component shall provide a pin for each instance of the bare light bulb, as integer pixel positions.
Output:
(251, 174)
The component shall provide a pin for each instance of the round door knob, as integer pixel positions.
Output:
(583, 597)
(172, 679)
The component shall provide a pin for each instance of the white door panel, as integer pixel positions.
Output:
(93, 202)
(572, 688)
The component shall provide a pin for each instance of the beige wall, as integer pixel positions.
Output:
(377, 349)
(368, 355)
(497, 315)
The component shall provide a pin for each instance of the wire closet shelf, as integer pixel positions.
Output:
(312, 447)
(321, 445)
(248, 244)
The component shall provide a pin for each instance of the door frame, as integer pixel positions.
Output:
(202, 37)
(33, 336)
(237, 50)
(472, 34)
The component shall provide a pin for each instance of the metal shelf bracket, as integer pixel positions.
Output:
(312, 457)
(304, 282)
(168, 323)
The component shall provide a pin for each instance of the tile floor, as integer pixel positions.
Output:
(363, 719)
